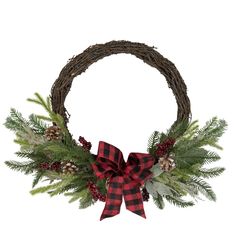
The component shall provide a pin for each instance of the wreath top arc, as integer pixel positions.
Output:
(172, 169)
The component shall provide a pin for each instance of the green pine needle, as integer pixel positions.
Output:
(210, 173)
(86, 199)
(45, 189)
(40, 101)
(177, 130)
(26, 167)
(178, 201)
(152, 141)
(204, 188)
(15, 121)
(37, 124)
(38, 176)
(159, 202)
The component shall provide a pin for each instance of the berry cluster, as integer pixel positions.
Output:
(85, 144)
(55, 166)
(145, 195)
(95, 192)
(164, 147)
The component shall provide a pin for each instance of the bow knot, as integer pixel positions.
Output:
(125, 178)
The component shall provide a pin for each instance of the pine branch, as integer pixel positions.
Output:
(29, 139)
(192, 130)
(24, 154)
(204, 188)
(211, 157)
(212, 131)
(26, 167)
(37, 124)
(210, 173)
(15, 121)
(208, 135)
(40, 101)
(38, 176)
(56, 188)
(187, 158)
(178, 201)
(44, 118)
(159, 202)
(152, 141)
(86, 199)
(76, 195)
(45, 189)
(177, 130)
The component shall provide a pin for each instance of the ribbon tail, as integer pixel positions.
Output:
(113, 198)
(133, 198)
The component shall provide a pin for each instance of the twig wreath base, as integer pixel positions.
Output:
(172, 169)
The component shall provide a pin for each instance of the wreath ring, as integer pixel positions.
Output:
(172, 169)
(79, 64)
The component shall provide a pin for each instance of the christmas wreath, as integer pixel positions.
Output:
(172, 169)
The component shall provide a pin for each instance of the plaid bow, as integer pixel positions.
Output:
(125, 179)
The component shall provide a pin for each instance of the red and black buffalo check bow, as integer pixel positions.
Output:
(125, 179)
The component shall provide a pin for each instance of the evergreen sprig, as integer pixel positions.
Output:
(37, 150)
(189, 152)
(203, 187)
(27, 167)
(210, 173)
(159, 202)
(179, 202)
(190, 156)
(46, 104)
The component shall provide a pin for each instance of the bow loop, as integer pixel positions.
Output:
(125, 178)
(138, 165)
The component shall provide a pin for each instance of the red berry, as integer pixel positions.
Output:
(56, 166)
(95, 192)
(164, 147)
(44, 166)
(86, 145)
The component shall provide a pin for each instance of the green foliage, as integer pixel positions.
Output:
(194, 156)
(86, 199)
(37, 177)
(34, 147)
(152, 141)
(63, 185)
(208, 135)
(37, 124)
(190, 156)
(46, 104)
(101, 185)
(46, 188)
(179, 202)
(178, 129)
(210, 173)
(159, 202)
(189, 152)
(27, 167)
(15, 121)
(203, 187)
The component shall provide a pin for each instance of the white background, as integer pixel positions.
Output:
(119, 99)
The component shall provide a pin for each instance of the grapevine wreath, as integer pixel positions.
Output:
(172, 169)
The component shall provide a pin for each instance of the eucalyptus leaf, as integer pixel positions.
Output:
(155, 188)
(156, 170)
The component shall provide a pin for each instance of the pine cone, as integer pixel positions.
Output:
(69, 167)
(53, 133)
(166, 163)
